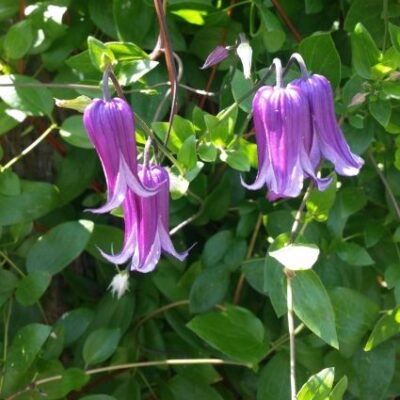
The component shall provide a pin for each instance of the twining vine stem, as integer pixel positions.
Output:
(143, 364)
(289, 296)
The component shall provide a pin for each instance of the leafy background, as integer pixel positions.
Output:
(60, 327)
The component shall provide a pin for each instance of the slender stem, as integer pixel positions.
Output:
(51, 85)
(160, 145)
(143, 364)
(289, 298)
(282, 340)
(240, 284)
(296, 57)
(146, 152)
(30, 147)
(160, 310)
(287, 20)
(230, 7)
(299, 213)
(12, 264)
(386, 23)
(106, 88)
(385, 184)
(191, 218)
(278, 71)
(7, 316)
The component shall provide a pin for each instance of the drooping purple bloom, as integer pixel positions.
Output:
(110, 126)
(285, 144)
(219, 54)
(329, 139)
(147, 223)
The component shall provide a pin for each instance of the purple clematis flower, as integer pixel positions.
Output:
(147, 223)
(328, 139)
(282, 122)
(110, 127)
(295, 127)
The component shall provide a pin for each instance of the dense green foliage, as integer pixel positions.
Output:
(227, 301)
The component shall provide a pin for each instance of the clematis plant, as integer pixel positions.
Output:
(295, 127)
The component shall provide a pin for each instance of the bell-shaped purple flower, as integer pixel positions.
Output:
(110, 126)
(328, 139)
(219, 54)
(147, 223)
(285, 145)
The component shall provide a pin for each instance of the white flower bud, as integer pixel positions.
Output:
(245, 53)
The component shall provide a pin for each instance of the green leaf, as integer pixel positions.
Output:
(59, 247)
(221, 127)
(253, 270)
(313, 306)
(36, 199)
(18, 39)
(71, 379)
(321, 56)
(320, 203)
(318, 386)
(100, 345)
(274, 378)
(372, 19)
(73, 132)
(234, 331)
(374, 371)
(348, 202)
(271, 31)
(75, 323)
(387, 327)
(8, 8)
(237, 159)
(181, 130)
(76, 172)
(7, 120)
(355, 314)
(98, 397)
(105, 237)
(126, 51)
(125, 12)
(31, 288)
(30, 100)
(209, 288)
(99, 54)
(314, 6)
(101, 13)
(10, 184)
(22, 353)
(216, 247)
(275, 285)
(339, 389)
(240, 87)
(183, 389)
(129, 72)
(207, 152)
(354, 254)
(8, 284)
(364, 50)
(381, 110)
(394, 31)
(187, 153)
